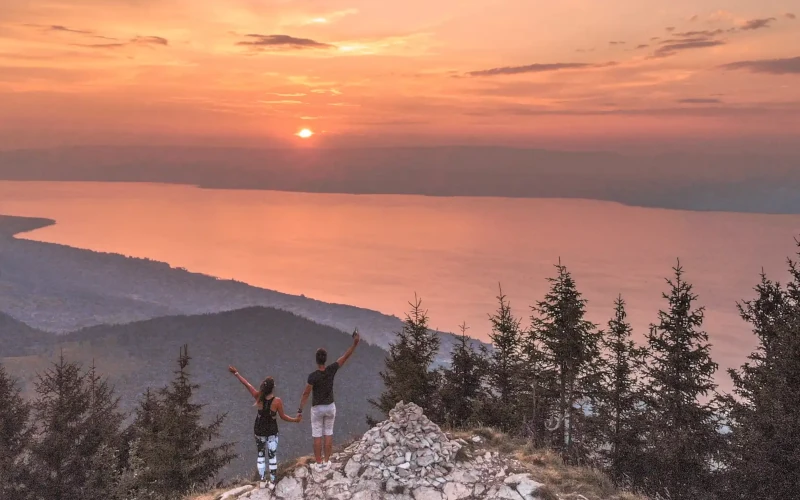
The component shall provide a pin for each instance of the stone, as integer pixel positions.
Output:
(368, 494)
(352, 468)
(456, 491)
(426, 493)
(507, 493)
(236, 492)
(301, 473)
(289, 488)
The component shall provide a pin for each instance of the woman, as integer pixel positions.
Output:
(266, 425)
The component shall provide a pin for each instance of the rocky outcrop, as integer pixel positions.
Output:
(407, 457)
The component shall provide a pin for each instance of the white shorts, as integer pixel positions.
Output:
(322, 417)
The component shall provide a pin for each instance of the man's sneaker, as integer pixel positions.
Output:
(319, 467)
(326, 465)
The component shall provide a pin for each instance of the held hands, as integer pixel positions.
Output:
(299, 417)
(233, 370)
(356, 337)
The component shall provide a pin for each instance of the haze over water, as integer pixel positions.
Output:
(377, 251)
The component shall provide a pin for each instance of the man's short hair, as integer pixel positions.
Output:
(322, 356)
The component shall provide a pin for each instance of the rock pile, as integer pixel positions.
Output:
(406, 457)
(406, 449)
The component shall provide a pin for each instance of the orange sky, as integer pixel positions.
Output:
(369, 72)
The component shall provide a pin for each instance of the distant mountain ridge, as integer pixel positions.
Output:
(733, 182)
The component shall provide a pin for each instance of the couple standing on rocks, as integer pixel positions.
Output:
(323, 413)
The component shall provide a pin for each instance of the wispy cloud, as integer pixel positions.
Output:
(331, 17)
(282, 101)
(530, 68)
(703, 33)
(672, 47)
(699, 101)
(139, 40)
(771, 66)
(755, 24)
(616, 43)
(789, 15)
(642, 46)
(282, 42)
(150, 40)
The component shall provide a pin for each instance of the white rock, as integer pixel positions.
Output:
(426, 493)
(455, 491)
(507, 493)
(289, 488)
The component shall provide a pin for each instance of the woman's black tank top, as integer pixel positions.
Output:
(266, 422)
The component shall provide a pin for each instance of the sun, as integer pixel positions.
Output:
(305, 133)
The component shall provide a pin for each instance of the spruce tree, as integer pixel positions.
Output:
(683, 437)
(78, 419)
(618, 413)
(15, 439)
(764, 459)
(408, 376)
(504, 369)
(172, 451)
(570, 349)
(462, 383)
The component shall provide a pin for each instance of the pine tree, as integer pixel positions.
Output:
(462, 383)
(618, 413)
(764, 460)
(504, 369)
(15, 439)
(78, 418)
(570, 347)
(408, 376)
(683, 437)
(171, 454)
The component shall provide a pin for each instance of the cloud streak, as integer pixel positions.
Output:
(672, 47)
(790, 66)
(282, 42)
(534, 68)
(755, 24)
(699, 101)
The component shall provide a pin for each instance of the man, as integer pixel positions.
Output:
(323, 408)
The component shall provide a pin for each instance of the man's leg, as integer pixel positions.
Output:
(318, 449)
(330, 417)
(316, 433)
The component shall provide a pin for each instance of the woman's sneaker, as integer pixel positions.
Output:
(326, 465)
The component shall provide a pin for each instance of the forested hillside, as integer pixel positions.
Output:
(259, 341)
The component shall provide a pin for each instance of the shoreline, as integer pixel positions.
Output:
(76, 288)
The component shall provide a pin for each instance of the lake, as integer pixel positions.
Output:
(378, 251)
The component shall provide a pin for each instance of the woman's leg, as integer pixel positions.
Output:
(261, 462)
(272, 451)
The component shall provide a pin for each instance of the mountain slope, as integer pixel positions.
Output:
(258, 341)
(19, 339)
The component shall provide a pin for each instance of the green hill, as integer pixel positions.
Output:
(258, 341)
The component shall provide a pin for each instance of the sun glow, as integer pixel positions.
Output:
(305, 133)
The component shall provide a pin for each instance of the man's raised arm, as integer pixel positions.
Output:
(356, 339)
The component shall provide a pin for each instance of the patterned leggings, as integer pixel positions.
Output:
(267, 448)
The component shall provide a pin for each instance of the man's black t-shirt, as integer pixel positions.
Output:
(322, 385)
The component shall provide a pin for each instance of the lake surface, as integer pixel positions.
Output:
(378, 251)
